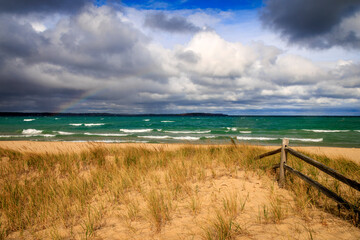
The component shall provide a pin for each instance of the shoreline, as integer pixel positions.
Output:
(352, 154)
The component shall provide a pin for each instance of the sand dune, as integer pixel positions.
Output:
(198, 195)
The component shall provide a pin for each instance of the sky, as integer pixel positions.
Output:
(272, 57)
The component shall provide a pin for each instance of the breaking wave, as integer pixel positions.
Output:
(306, 139)
(188, 132)
(325, 131)
(136, 130)
(31, 131)
(257, 138)
(106, 134)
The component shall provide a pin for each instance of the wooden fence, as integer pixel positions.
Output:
(285, 149)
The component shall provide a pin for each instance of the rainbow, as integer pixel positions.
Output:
(82, 98)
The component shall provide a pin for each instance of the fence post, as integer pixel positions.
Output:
(285, 143)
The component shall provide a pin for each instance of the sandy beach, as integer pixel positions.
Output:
(169, 191)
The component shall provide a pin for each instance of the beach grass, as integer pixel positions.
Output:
(76, 195)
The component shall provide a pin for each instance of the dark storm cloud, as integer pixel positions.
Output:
(91, 50)
(18, 40)
(41, 6)
(313, 23)
(18, 93)
(170, 24)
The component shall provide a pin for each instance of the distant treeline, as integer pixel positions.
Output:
(44, 114)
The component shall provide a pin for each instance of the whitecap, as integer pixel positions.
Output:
(325, 131)
(106, 134)
(76, 124)
(210, 136)
(64, 133)
(231, 128)
(146, 120)
(306, 139)
(167, 121)
(257, 138)
(117, 141)
(135, 130)
(155, 137)
(93, 124)
(187, 132)
(29, 120)
(187, 138)
(46, 135)
(245, 131)
(11, 136)
(35, 133)
(31, 131)
(109, 141)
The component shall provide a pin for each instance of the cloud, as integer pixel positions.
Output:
(173, 24)
(42, 6)
(18, 40)
(100, 57)
(315, 24)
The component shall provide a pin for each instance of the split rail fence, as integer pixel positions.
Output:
(285, 149)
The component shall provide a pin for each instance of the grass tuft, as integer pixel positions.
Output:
(160, 208)
(223, 227)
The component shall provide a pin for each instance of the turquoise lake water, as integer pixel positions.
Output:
(264, 130)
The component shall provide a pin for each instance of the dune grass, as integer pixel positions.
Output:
(39, 192)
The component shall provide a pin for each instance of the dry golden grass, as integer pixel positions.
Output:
(213, 192)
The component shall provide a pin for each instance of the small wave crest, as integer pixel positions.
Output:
(118, 141)
(76, 124)
(325, 131)
(245, 131)
(29, 120)
(187, 138)
(110, 141)
(136, 130)
(87, 124)
(35, 132)
(167, 121)
(212, 136)
(93, 124)
(47, 135)
(64, 133)
(189, 132)
(31, 131)
(257, 138)
(306, 139)
(106, 134)
(13, 136)
(155, 137)
(146, 120)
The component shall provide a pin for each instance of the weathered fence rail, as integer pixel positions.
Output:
(323, 189)
(325, 169)
(333, 173)
(268, 154)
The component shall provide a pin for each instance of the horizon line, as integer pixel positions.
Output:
(168, 114)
